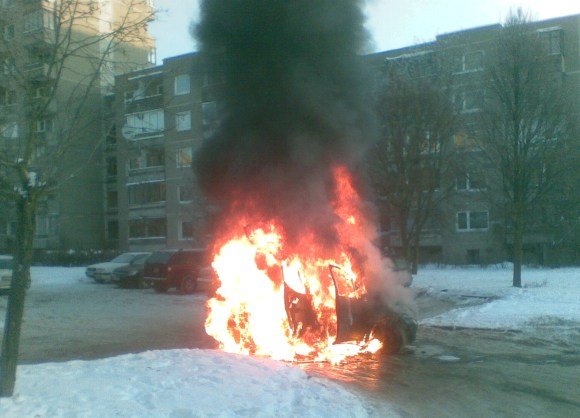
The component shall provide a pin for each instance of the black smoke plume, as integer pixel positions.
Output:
(294, 104)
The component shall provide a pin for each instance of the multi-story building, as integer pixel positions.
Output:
(38, 36)
(467, 227)
(162, 115)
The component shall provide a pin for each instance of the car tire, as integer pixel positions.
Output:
(188, 285)
(142, 284)
(160, 288)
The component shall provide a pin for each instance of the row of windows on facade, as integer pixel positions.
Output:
(153, 157)
(37, 20)
(152, 122)
(10, 130)
(157, 228)
(181, 86)
(422, 63)
(152, 193)
(9, 97)
(465, 221)
(46, 224)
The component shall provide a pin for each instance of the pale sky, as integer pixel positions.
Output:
(392, 23)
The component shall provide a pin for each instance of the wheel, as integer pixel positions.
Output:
(160, 288)
(188, 285)
(142, 284)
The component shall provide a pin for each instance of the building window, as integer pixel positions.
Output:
(469, 101)
(152, 56)
(185, 194)
(148, 228)
(184, 157)
(182, 84)
(472, 221)
(111, 166)
(144, 124)
(11, 228)
(185, 230)
(113, 230)
(469, 62)
(470, 181)
(551, 40)
(43, 125)
(183, 121)
(9, 130)
(7, 97)
(148, 158)
(39, 19)
(8, 31)
(146, 193)
(9, 66)
(112, 199)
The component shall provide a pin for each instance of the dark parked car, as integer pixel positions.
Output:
(131, 275)
(183, 269)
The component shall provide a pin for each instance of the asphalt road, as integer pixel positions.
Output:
(445, 373)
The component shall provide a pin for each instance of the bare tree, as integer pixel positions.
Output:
(524, 126)
(412, 163)
(57, 62)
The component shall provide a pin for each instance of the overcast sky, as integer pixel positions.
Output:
(392, 23)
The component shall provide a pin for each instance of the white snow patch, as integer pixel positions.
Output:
(548, 296)
(177, 383)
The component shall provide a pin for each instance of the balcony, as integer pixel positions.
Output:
(36, 71)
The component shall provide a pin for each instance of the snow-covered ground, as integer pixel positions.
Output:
(177, 383)
(548, 297)
(200, 383)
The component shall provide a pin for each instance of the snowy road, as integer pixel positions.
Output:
(517, 369)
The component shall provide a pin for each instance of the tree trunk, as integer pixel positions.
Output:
(517, 250)
(415, 256)
(20, 283)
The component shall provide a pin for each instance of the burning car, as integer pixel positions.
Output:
(312, 300)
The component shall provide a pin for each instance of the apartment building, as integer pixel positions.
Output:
(29, 79)
(467, 228)
(162, 115)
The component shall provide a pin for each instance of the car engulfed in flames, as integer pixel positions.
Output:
(305, 301)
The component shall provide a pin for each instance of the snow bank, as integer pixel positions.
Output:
(177, 383)
(548, 297)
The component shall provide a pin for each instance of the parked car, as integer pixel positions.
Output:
(103, 272)
(6, 263)
(131, 275)
(183, 269)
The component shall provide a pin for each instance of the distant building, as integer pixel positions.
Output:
(467, 229)
(162, 115)
(73, 218)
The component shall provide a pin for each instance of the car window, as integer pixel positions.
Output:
(5, 264)
(160, 257)
(188, 257)
(123, 258)
(140, 259)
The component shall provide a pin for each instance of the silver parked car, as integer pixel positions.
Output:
(103, 272)
(6, 264)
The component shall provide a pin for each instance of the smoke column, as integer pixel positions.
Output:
(295, 104)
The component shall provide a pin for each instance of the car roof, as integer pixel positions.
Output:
(6, 257)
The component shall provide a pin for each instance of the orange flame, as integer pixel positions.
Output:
(249, 313)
